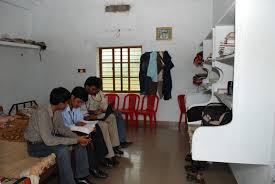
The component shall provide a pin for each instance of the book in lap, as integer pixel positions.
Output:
(86, 129)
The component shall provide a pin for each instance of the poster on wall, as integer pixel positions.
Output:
(164, 33)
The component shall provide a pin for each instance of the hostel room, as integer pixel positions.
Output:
(137, 92)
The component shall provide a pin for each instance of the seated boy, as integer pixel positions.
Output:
(47, 134)
(73, 116)
(98, 103)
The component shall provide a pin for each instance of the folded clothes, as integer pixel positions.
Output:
(4, 118)
(27, 111)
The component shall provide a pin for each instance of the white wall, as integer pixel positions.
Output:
(74, 30)
(15, 21)
(219, 8)
(20, 75)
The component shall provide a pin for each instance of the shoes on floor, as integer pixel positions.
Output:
(112, 162)
(196, 166)
(188, 157)
(97, 173)
(117, 151)
(125, 144)
(83, 181)
(107, 164)
(198, 178)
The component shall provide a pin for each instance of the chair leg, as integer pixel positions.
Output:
(132, 119)
(155, 119)
(127, 120)
(136, 120)
(151, 120)
(180, 120)
(144, 120)
(185, 118)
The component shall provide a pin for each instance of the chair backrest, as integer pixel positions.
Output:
(113, 99)
(131, 102)
(152, 103)
(182, 101)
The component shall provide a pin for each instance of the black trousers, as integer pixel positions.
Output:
(97, 150)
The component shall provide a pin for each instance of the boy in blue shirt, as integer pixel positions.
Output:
(72, 115)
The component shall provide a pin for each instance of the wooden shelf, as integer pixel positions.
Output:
(226, 99)
(227, 59)
(21, 45)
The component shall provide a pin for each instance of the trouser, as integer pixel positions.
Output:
(93, 161)
(120, 127)
(63, 158)
(110, 134)
(97, 150)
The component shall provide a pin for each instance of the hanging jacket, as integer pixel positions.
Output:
(167, 79)
(143, 79)
(147, 86)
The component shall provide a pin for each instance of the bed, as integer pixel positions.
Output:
(14, 159)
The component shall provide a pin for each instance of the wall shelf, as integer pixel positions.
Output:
(224, 98)
(21, 45)
(227, 59)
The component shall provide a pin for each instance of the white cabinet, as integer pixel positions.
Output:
(248, 138)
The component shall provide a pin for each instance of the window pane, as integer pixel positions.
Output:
(118, 84)
(135, 50)
(134, 84)
(107, 70)
(117, 55)
(134, 69)
(134, 74)
(107, 84)
(117, 70)
(125, 69)
(107, 55)
(134, 58)
(135, 54)
(125, 55)
(106, 52)
(125, 84)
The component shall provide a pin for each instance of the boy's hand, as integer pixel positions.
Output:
(93, 116)
(99, 111)
(90, 117)
(84, 140)
(80, 123)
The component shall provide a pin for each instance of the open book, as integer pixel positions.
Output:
(86, 129)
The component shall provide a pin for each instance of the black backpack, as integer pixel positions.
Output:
(216, 114)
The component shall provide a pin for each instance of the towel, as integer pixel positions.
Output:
(152, 70)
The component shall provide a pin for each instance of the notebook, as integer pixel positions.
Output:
(86, 129)
(104, 116)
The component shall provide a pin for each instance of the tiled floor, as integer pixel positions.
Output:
(157, 157)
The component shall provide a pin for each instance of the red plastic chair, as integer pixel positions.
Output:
(113, 99)
(130, 106)
(150, 109)
(181, 101)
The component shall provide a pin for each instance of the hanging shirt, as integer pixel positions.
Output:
(71, 116)
(152, 67)
(160, 74)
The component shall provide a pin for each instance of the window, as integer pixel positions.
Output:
(119, 68)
